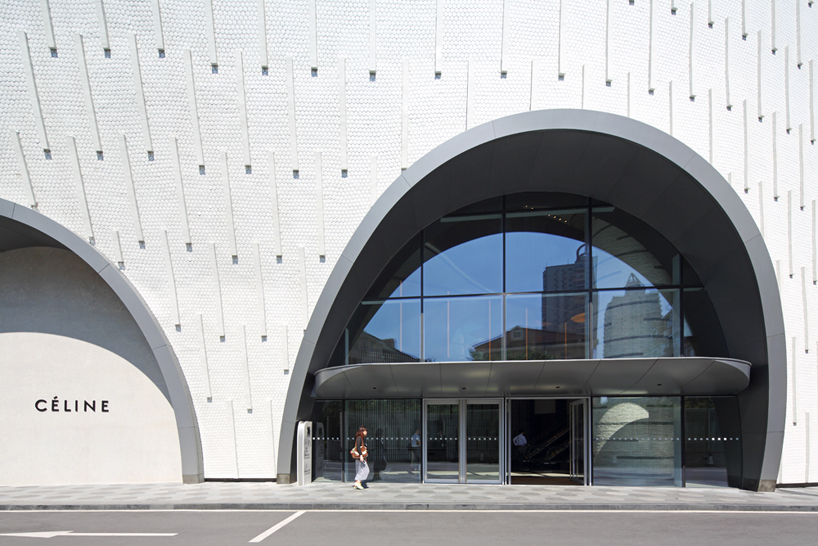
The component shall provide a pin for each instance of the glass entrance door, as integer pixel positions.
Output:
(578, 442)
(483, 440)
(441, 449)
(547, 441)
(463, 440)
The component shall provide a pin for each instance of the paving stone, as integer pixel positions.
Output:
(212, 495)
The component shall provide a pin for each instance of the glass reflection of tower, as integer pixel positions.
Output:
(634, 324)
(563, 317)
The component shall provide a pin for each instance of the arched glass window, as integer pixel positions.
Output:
(535, 276)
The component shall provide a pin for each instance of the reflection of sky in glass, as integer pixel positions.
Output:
(523, 311)
(528, 254)
(398, 320)
(473, 267)
(454, 326)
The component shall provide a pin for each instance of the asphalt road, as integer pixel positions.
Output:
(225, 528)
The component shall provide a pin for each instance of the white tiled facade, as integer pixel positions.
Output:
(454, 51)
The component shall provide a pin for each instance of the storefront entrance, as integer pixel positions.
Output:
(531, 441)
(548, 441)
(690, 441)
(464, 440)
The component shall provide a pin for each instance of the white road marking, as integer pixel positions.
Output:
(276, 527)
(52, 534)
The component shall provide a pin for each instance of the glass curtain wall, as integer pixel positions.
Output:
(394, 429)
(637, 441)
(666, 441)
(693, 441)
(537, 276)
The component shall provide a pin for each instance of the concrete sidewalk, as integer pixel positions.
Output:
(381, 496)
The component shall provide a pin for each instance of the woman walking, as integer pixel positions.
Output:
(360, 453)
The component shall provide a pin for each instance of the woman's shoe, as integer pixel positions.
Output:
(358, 486)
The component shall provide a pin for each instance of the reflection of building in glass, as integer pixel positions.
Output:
(563, 317)
(368, 348)
(562, 335)
(634, 325)
(562, 278)
(488, 350)
(652, 454)
(624, 250)
(533, 344)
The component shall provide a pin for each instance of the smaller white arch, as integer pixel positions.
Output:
(21, 227)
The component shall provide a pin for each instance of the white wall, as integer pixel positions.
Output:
(522, 34)
(64, 334)
(130, 439)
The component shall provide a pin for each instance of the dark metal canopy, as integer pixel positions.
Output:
(702, 376)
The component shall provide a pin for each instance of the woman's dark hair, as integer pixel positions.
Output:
(360, 434)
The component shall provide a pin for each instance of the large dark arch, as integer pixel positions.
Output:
(21, 227)
(626, 163)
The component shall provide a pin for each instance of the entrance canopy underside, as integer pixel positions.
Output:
(609, 377)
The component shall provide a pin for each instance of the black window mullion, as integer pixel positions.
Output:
(503, 297)
(684, 445)
(590, 245)
(422, 295)
(681, 320)
(589, 320)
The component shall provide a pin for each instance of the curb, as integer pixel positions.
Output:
(418, 507)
